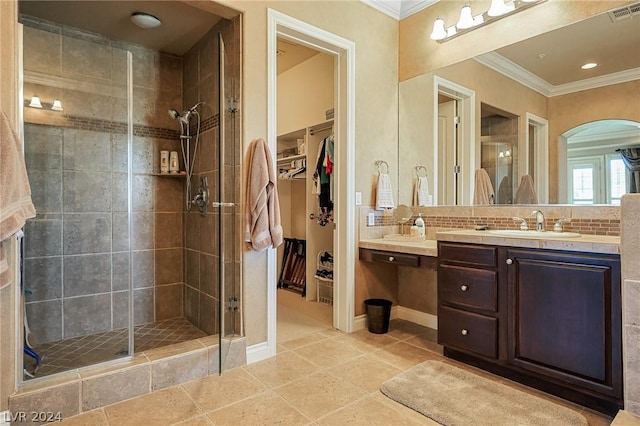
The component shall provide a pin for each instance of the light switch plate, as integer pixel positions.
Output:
(371, 219)
(358, 198)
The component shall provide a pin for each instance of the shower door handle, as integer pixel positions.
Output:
(220, 204)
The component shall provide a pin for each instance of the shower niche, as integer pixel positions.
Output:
(121, 258)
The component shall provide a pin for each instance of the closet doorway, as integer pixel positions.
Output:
(306, 90)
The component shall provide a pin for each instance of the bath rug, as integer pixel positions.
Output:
(452, 396)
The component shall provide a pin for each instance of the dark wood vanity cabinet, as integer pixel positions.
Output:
(546, 318)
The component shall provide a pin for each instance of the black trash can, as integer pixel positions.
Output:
(378, 313)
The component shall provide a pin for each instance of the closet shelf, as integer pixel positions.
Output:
(285, 160)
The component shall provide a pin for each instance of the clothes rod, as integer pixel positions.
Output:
(320, 129)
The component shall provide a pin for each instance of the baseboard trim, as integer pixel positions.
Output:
(258, 352)
(400, 312)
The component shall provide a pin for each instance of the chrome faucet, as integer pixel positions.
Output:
(539, 220)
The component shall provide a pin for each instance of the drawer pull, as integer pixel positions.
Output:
(464, 287)
(464, 332)
(509, 261)
(391, 258)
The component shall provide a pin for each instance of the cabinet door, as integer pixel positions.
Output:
(565, 317)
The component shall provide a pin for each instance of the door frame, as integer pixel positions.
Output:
(343, 50)
(541, 154)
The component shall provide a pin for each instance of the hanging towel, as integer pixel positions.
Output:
(526, 193)
(421, 196)
(15, 193)
(384, 193)
(483, 189)
(263, 228)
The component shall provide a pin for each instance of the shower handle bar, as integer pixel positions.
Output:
(221, 204)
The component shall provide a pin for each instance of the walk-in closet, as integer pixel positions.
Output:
(305, 185)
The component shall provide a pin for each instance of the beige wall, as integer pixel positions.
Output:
(8, 104)
(419, 54)
(619, 101)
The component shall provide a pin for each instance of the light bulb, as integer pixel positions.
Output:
(35, 102)
(498, 8)
(466, 19)
(439, 32)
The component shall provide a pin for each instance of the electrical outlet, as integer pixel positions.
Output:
(358, 198)
(371, 219)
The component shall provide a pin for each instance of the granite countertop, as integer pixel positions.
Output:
(584, 243)
(423, 248)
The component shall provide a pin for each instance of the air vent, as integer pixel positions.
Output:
(625, 13)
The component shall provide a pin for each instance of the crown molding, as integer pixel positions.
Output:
(399, 9)
(515, 72)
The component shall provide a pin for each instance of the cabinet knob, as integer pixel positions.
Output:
(464, 332)
(391, 258)
(509, 261)
(464, 287)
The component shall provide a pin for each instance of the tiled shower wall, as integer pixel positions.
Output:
(76, 249)
(202, 252)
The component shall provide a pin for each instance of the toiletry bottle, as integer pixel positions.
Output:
(164, 161)
(173, 162)
(420, 224)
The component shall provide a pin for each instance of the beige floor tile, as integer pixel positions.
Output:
(401, 329)
(201, 420)
(366, 341)
(598, 419)
(366, 372)
(425, 342)
(369, 411)
(282, 369)
(303, 341)
(329, 352)
(218, 391)
(90, 418)
(320, 394)
(163, 407)
(262, 409)
(404, 355)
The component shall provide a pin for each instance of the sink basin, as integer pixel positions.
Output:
(403, 237)
(516, 233)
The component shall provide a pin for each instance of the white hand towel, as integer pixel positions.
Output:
(526, 193)
(483, 192)
(421, 196)
(384, 193)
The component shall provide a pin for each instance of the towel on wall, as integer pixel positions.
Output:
(262, 219)
(384, 193)
(421, 196)
(526, 193)
(483, 192)
(15, 193)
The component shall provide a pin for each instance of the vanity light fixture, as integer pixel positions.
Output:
(467, 22)
(589, 65)
(57, 105)
(35, 102)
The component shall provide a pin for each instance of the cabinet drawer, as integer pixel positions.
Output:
(468, 331)
(475, 288)
(467, 253)
(395, 258)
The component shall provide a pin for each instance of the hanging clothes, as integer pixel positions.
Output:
(322, 181)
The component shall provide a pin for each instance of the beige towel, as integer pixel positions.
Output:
(15, 193)
(263, 228)
(384, 193)
(526, 193)
(421, 196)
(483, 193)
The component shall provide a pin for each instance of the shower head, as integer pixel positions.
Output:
(174, 114)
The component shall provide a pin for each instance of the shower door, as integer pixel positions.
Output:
(227, 201)
(76, 284)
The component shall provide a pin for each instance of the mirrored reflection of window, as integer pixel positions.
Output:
(617, 179)
(597, 179)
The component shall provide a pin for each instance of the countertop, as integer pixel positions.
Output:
(583, 243)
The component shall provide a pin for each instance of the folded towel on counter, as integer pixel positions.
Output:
(526, 193)
(15, 193)
(483, 192)
(421, 196)
(384, 193)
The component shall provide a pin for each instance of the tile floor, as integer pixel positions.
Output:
(325, 377)
(77, 352)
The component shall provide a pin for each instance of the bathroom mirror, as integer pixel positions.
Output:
(539, 82)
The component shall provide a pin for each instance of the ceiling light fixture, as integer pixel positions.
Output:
(589, 65)
(145, 20)
(467, 22)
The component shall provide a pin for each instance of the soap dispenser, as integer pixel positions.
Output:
(420, 224)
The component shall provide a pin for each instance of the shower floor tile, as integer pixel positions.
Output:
(77, 352)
